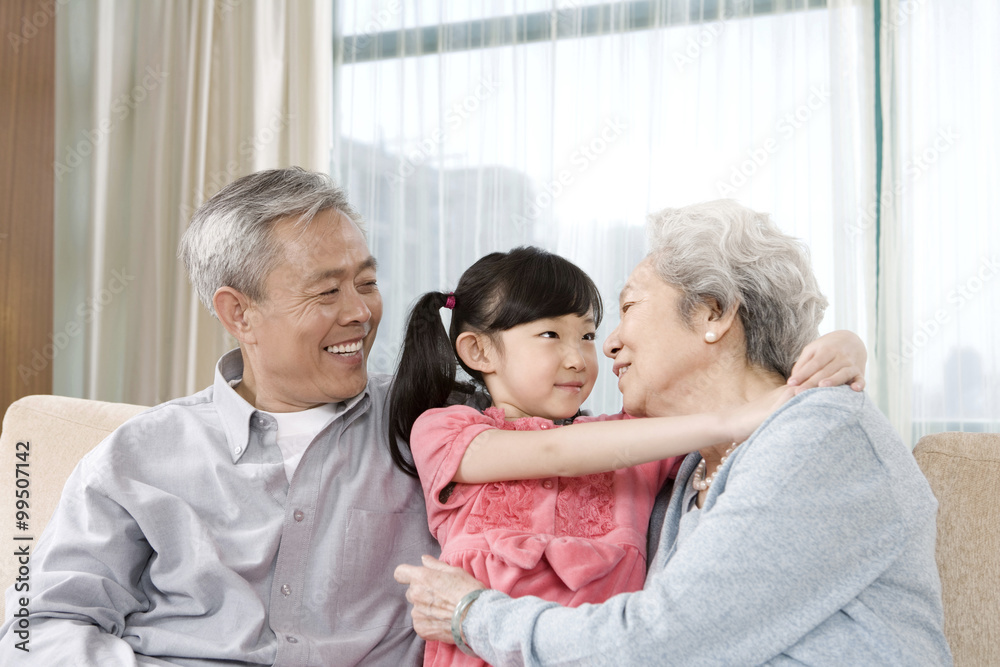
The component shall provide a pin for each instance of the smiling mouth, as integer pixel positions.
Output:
(349, 348)
(621, 371)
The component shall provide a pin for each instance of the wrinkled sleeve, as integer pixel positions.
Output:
(804, 525)
(438, 442)
(83, 581)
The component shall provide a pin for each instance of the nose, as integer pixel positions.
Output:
(612, 345)
(574, 359)
(355, 308)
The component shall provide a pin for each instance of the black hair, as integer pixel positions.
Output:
(497, 293)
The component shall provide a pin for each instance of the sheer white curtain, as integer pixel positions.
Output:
(940, 222)
(464, 128)
(160, 104)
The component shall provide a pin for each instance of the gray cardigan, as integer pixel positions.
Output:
(815, 546)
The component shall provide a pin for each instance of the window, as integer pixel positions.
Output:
(466, 129)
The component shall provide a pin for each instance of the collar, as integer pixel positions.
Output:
(520, 424)
(237, 415)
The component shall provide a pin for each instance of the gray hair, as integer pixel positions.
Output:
(724, 251)
(229, 241)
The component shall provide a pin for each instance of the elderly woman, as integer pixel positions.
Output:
(810, 543)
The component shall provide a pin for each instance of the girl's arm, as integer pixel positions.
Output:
(493, 456)
(584, 449)
(829, 361)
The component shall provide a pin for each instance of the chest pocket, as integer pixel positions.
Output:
(375, 543)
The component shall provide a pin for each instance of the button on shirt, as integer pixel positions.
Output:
(180, 537)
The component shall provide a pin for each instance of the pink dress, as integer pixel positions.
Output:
(570, 540)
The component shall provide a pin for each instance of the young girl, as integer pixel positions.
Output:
(560, 513)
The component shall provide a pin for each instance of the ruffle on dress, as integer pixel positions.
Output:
(576, 562)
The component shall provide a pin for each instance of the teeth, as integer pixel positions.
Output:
(344, 349)
(622, 370)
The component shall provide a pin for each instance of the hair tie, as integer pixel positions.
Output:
(450, 302)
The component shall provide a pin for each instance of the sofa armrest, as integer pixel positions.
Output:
(964, 472)
(56, 431)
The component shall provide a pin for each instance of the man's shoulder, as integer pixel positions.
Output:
(378, 388)
(176, 408)
(162, 424)
(379, 383)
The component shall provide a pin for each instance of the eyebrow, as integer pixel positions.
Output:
(587, 319)
(369, 263)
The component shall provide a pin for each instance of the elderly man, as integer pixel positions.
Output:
(257, 521)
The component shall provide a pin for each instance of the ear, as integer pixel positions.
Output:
(712, 319)
(476, 351)
(233, 308)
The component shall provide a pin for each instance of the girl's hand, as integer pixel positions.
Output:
(745, 419)
(831, 360)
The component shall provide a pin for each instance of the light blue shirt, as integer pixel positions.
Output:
(815, 545)
(179, 540)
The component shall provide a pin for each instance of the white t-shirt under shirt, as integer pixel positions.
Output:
(297, 429)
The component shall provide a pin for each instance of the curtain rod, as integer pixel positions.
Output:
(566, 23)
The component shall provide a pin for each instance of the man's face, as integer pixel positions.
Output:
(313, 332)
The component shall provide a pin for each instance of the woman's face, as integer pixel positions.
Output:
(661, 364)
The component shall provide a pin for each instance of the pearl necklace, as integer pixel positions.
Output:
(699, 481)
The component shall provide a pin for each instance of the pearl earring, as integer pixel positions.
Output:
(710, 337)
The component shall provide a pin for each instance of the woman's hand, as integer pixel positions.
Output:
(831, 360)
(435, 590)
(745, 419)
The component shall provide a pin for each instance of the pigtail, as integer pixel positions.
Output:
(425, 375)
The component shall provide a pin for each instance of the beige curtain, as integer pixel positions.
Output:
(159, 105)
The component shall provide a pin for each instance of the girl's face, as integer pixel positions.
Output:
(546, 368)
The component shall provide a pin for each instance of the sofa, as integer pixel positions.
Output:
(46, 436)
(54, 432)
(964, 472)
